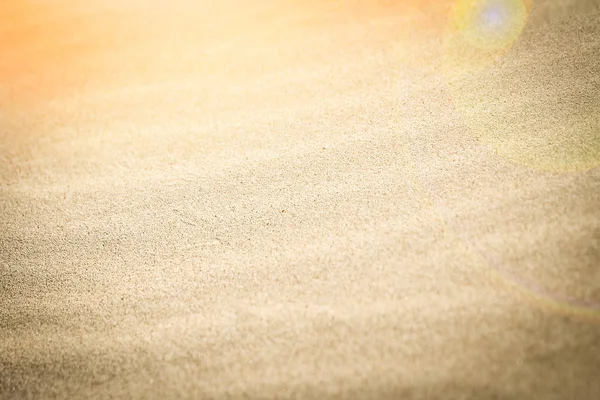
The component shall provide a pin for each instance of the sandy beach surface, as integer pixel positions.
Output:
(300, 199)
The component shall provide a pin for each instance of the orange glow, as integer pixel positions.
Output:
(64, 56)
(80, 44)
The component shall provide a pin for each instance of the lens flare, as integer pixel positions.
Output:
(520, 117)
(489, 24)
(544, 121)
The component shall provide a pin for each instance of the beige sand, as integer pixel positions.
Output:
(297, 199)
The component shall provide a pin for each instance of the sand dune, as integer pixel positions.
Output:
(319, 199)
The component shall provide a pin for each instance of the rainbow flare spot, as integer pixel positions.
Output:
(489, 24)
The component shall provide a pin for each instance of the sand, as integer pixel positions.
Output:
(298, 199)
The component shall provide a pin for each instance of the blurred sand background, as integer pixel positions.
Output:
(299, 199)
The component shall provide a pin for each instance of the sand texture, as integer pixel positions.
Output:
(260, 199)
